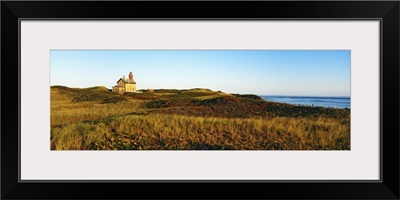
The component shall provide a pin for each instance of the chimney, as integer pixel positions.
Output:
(130, 76)
(123, 77)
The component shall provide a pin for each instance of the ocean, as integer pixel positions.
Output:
(331, 102)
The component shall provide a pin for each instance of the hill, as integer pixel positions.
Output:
(189, 119)
(96, 94)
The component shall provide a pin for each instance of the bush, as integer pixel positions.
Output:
(248, 96)
(157, 104)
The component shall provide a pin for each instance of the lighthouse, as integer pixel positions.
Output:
(125, 85)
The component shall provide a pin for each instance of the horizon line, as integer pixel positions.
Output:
(304, 96)
(270, 95)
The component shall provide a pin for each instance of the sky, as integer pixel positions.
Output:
(260, 72)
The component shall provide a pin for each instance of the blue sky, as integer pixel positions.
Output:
(261, 72)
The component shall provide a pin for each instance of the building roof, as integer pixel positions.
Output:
(128, 81)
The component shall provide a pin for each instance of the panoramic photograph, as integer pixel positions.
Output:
(200, 99)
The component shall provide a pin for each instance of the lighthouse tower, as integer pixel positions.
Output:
(130, 76)
(125, 85)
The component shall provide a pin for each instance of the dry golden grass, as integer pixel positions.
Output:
(174, 132)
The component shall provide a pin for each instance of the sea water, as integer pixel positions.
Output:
(330, 102)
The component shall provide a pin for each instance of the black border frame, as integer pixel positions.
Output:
(188, 181)
(386, 11)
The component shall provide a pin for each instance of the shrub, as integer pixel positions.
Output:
(248, 96)
(157, 104)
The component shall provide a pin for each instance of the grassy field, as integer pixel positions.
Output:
(196, 119)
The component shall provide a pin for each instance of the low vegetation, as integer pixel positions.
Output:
(196, 119)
